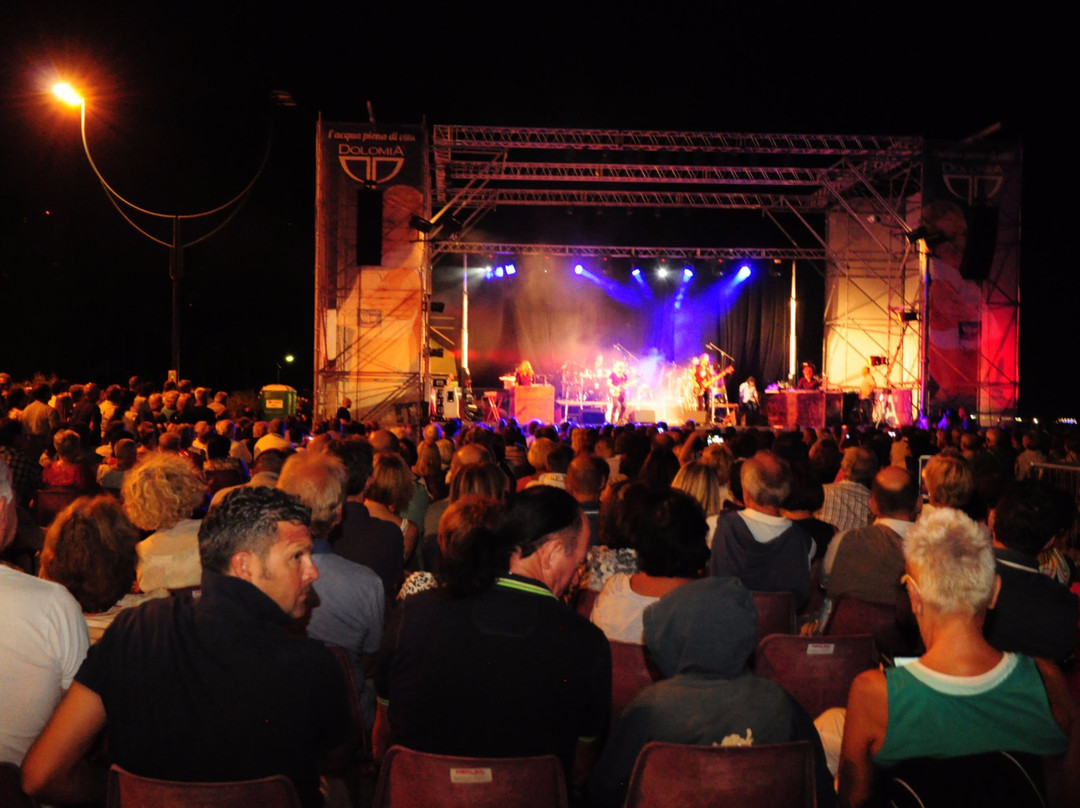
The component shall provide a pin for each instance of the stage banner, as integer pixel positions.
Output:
(369, 266)
(971, 215)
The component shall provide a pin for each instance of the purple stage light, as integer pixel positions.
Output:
(744, 273)
(578, 269)
(511, 269)
(499, 272)
(636, 273)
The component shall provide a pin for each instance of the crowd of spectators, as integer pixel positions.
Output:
(454, 562)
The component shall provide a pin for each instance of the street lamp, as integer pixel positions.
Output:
(66, 93)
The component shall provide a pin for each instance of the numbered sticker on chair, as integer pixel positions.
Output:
(460, 775)
(820, 648)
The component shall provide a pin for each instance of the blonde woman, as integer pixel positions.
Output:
(160, 494)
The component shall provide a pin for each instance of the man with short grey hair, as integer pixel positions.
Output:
(847, 502)
(767, 551)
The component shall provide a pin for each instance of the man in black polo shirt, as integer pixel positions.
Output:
(208, 689)
(492, 663)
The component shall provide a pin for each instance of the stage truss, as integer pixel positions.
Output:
(865, 188)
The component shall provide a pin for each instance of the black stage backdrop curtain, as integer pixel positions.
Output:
(552, 318)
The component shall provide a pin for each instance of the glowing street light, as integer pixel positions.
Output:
(69, 95)
(66, 93)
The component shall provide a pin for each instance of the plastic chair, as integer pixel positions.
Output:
(775, 614)
(11, 793)
(339, 761)
(668, 774)
(409, 779)
(632, 670)
(993, 778)
(127, 790)
(48, 502)
(850, 615)
(816, 671)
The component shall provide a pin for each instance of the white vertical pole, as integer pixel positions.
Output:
(791, 335)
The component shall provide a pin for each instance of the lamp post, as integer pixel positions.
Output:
(66, 93)
(289, 359)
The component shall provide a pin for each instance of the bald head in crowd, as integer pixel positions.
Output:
(894, 494)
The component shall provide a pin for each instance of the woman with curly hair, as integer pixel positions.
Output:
(90, 550)
(160, 495)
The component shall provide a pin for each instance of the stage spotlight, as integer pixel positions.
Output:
(499, 272)
(744, 273)
(578, 269)
(687, 274)
(488, 274)
(511, 269)
(636, 273)
(661, 272)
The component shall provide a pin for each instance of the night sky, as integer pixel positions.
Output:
(178, 117)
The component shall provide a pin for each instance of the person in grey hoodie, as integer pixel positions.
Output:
(701, 637)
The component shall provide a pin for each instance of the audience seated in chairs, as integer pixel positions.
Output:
(701, 636)
(962, 697)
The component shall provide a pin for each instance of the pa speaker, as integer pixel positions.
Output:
(978, 256)
(369, 227)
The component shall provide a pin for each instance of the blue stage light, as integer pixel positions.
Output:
(687, 273)
(578, 269)
(511, 269)
(499, 272)
(637, 273)
(744, 273)
(488, 274)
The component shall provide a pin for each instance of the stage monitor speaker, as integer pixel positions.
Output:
(982, 221)
(643, 416)
(369, 227)
(592, 417)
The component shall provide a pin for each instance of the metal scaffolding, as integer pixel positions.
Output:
(871, 183)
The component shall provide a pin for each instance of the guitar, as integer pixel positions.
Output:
(703, 382)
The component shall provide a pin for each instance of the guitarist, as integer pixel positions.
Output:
(618, 381)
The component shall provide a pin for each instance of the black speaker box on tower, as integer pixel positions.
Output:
(369, 227)
(978, 257)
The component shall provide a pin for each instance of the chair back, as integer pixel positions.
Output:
(993, 778)
(48, 502)
(11, 793)
(632, 670)
(769, 776)
(816, 671)
(338, 761)
(775, 614)
(851, 615)
(223, 478)
(127, 790)
(409, 779)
